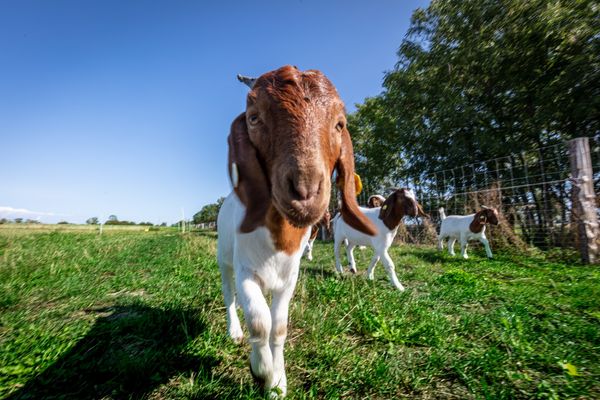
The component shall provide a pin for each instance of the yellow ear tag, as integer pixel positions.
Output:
(357, 183)
(384, 207)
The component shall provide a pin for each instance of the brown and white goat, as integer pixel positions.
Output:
(465, 228)
(386, 218)
(282, 152)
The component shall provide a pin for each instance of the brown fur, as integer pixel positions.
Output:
(482, 217)
(286, 237)
(286, 146)
(396, 206)
(257, 329)
(281, 330)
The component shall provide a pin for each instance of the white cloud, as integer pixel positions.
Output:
(11, 212)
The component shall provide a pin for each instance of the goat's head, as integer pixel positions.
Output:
(284, 147)
(487, 215)
(376, 200)
(398, 204)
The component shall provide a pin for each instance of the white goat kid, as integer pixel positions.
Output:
(386, 218)
(465, 228)
(264, 224)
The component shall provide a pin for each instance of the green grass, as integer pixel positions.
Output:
(135, 314)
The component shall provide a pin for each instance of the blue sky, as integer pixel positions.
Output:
(123, 107)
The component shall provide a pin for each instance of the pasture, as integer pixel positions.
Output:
(136, 314)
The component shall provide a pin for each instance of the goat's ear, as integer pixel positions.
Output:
(350, 211)
(421, 212)
(247, 176)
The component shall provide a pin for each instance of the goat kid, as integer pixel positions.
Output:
(465, 228)
(282, 152)
(386, 218)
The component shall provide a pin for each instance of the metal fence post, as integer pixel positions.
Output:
(584, 199)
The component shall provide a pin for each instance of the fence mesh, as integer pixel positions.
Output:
(532, 190)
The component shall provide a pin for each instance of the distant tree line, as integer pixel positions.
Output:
(208, 213)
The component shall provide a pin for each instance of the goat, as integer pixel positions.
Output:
(386, 218)
(282, 152)
(465, 228)
(324, 223)
(375, 201)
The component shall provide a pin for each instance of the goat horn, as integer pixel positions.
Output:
(246, 80)
(234, 175)
(485, 207)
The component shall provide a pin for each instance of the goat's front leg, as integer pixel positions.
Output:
(336, 250)
(486, 244)
(258, 321)
(228, 287)
(390, 269)
(350, 255)
(279, 317)
(440, 244)
(371, 270)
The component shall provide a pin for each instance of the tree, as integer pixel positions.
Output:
(209, 212)
(92, 221)
(18, 220)
(478, 79)
(113, 218)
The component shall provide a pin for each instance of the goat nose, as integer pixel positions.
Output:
(303, 189)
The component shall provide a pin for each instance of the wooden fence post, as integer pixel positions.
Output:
(584, 199)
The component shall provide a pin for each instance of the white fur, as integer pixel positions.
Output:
(344, 233)
(308, 249)
(456, 227)
(251, 267)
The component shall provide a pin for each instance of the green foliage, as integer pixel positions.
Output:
(92, 221)
(209, 212)
(480, 79)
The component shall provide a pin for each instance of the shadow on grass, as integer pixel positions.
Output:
(128, 353)
(317, 270)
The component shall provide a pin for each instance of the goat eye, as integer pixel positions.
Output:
(253, 119)
(339, 126)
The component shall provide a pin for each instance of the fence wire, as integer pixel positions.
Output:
(532, 191)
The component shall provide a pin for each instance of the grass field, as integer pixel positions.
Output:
(135, 314)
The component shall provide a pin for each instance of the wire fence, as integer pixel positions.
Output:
(532, 190)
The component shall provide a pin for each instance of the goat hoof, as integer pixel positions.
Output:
(353, 270)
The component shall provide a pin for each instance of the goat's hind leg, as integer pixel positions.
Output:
(336, 250)
(350, 255)
(451, 242)
(371, 270)
(234, 328)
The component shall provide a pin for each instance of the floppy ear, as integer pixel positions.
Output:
(247, 176)
(388, 206)
(421, 212)
(345, 167)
